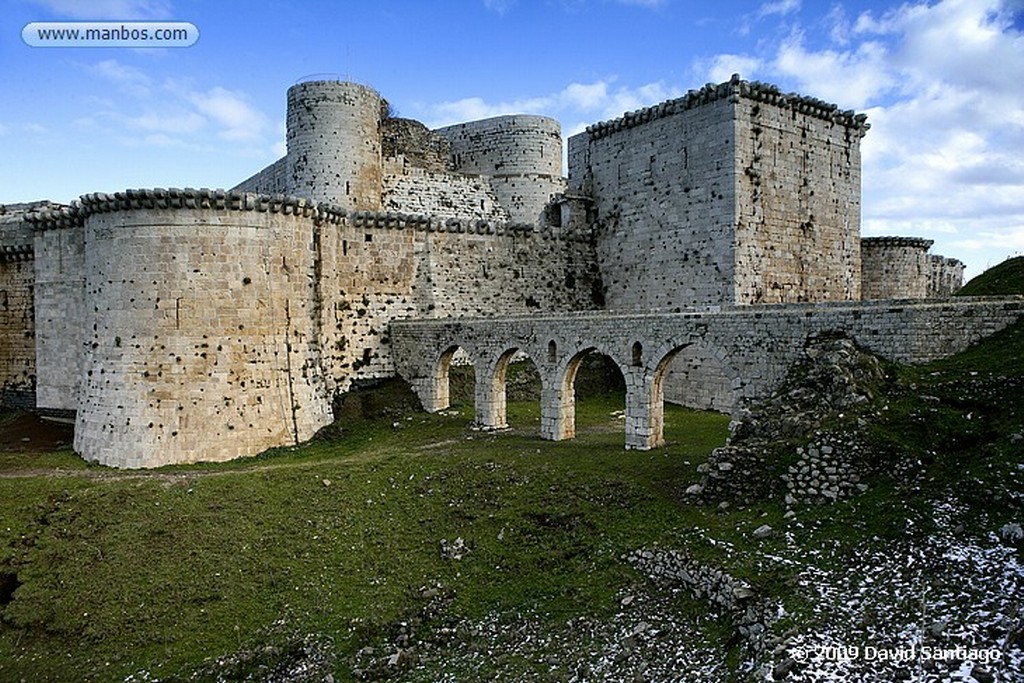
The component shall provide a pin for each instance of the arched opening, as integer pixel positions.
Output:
(638, 354)
(660, 425)
(593, 392)
(517, 378)
(454, 379)
(695, 377)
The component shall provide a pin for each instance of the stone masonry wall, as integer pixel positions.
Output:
(663, 186)
(444, 195)
(734, 193)
(59, 313)
(895, 268)
(946, 276)
(755, 346)
(383, 267)
(798, 204)
(334, 144)
(17, 320)
(271, 180)
(200, 327)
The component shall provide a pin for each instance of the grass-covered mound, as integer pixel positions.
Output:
(1005, 278)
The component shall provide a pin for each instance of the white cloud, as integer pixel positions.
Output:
(128, 78)
(720, 68)
(499, 6)
(107, 9)
(778, 7)
(232, 110)
(851, 78)
(597, 100)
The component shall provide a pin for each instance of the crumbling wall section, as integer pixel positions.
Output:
(945, 277)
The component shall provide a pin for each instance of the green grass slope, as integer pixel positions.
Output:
(1005, 278)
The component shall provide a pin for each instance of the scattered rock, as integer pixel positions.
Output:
(454, 550)
(1012, 532)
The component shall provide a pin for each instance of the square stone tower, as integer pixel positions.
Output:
(732, 194)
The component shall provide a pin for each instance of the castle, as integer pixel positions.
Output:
(184, 325)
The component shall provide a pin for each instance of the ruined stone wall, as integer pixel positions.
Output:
(334, 144)
(419, 146)
(521, 155)
(895, 268)
(200, 327)
(17, 320)
(798, 198)
(945, 277)
(663, 187)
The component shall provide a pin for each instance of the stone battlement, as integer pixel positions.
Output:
(733, 90)
(56, 216)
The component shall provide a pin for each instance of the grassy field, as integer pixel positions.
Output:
(119, 572)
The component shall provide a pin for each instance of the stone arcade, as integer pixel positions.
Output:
(698, 243)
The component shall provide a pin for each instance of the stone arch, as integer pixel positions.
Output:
(434, 390)
(558, 398)
(698, 376)
(491, 389)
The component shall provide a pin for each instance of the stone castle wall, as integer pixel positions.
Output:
(895, 267)
(199, 326)
(59, 312)
(334, 144)
(190, 325)
(383, 267)
(798, 205)
(945, 276)
(271, 180)
(733, 194)
(663, 195)
(17, 318)
(205, 325)
(414, 190)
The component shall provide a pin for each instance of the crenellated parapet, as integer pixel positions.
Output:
(733, 90)
(16, 252)
(320, 212)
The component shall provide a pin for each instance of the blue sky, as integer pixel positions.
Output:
(940, 82)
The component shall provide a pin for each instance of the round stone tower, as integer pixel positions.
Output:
(334, 149)
(520, 154)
